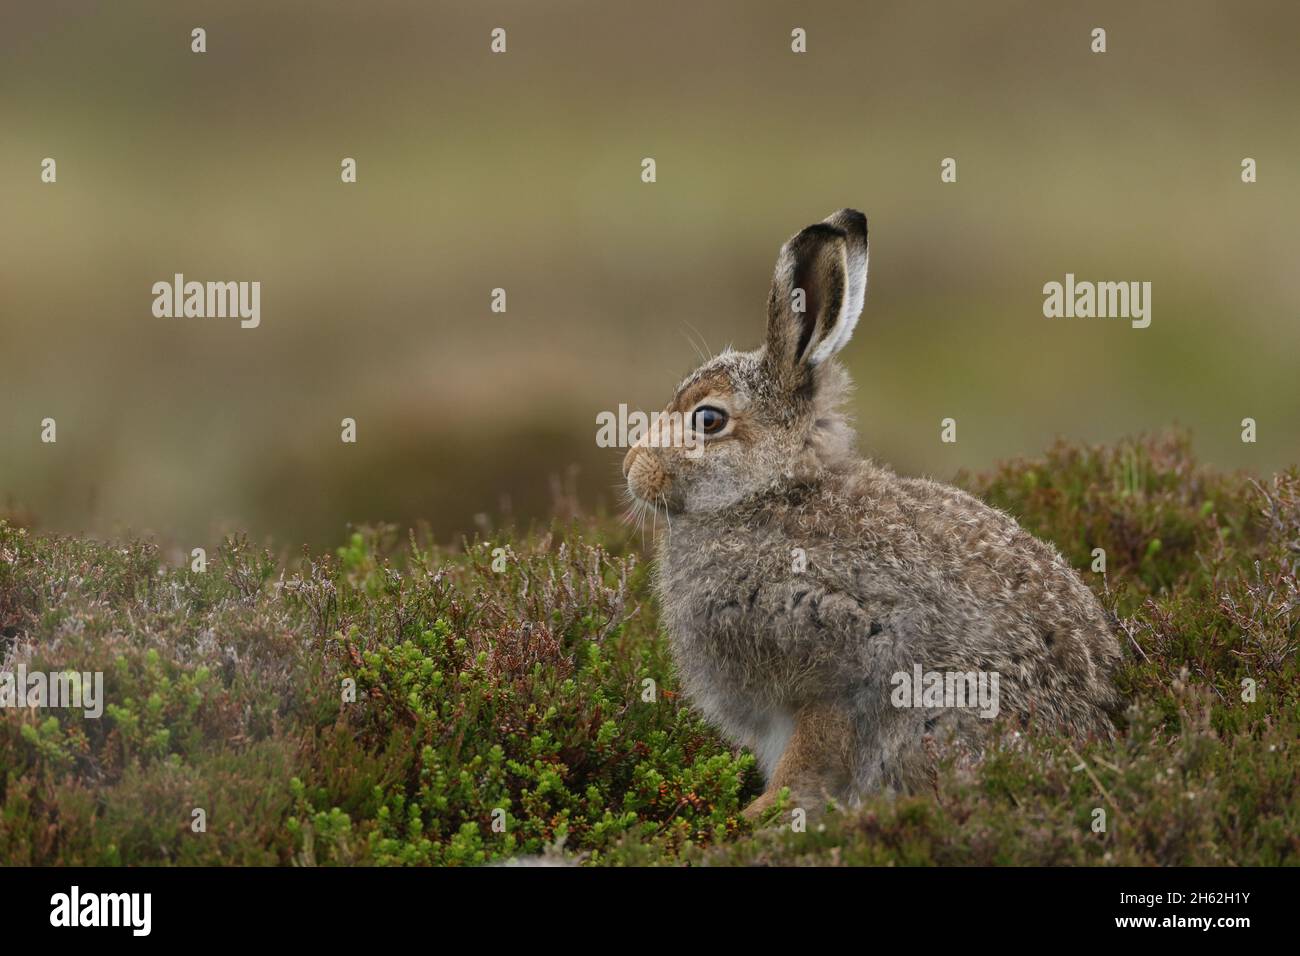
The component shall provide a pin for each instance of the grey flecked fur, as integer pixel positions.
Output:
(899, 571)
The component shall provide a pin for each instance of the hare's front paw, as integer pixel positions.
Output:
(755, 812)
(796, 811)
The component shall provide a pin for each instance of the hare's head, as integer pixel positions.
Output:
(745, 421)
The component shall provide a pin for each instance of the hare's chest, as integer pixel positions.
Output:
(735, 695)
(728, 701)
(710, 586)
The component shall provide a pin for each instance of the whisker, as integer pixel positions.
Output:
(708, 351)
(695, 346)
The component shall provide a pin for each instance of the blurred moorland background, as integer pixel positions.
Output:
(522, 170)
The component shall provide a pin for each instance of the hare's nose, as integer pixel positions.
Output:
(628, 458)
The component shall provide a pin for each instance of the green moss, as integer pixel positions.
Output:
(395, 703)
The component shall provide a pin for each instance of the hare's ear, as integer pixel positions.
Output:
(817, 294)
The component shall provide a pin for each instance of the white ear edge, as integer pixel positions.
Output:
(850, 308)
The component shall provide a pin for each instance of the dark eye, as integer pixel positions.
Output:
(709, 420)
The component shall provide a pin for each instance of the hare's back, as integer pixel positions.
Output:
(984, 590)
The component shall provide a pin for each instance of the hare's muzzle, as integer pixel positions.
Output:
(647, 478)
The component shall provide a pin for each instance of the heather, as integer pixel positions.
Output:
(398, 701)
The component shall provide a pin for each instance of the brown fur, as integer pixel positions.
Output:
(798, 663)
(816, 765)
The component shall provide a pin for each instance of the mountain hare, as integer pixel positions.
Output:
(807, 591)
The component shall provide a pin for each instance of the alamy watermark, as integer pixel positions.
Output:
(65, 689)
(209, 300)
(659, 430)
(1101, 300)
(976, 690)
(75, 908)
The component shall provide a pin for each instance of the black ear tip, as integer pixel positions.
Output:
(819, 232)
(850, 221)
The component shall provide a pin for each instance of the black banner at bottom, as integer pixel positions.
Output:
(182, 906)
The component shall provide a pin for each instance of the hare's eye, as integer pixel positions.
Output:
(710, 420)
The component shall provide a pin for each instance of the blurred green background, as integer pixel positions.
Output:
(523, 171)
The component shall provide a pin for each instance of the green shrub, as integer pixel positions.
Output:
(396, 703)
